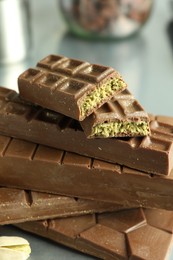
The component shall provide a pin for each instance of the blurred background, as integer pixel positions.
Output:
(132, 36)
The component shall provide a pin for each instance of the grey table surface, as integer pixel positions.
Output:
(145, 61)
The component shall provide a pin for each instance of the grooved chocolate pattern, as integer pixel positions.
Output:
(36, 167)
(35, 124)
(128, 234)
(61, 84)
(25, 205)
(32, 123)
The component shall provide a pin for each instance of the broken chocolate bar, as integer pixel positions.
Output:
(31, 166)
(151, 154)
(130, 234)
(24, 205)
(39, 125)
(72, 87)
(120, 117)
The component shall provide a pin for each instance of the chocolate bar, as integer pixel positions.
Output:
(32, 166)
(25, 205)
(152, 154)
(120, 117)
(72, 87)
(130, 234)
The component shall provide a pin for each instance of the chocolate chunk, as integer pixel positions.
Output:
(152, 154)
(25, 205)
(120, 117)
(102, 236)
(41, 168)
(72, 87)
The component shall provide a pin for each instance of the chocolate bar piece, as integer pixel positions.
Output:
(132, 234)
(25, 205)
(72, 87)
(122, 116)
(152, 154)
(31, 166)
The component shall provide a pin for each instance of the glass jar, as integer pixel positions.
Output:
(105, 19)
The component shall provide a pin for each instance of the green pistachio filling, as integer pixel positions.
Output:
(103, 92)
(120, 128)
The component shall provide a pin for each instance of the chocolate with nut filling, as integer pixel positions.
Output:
(120, 117)
(130, 234)
(151, 154)
(72, 87)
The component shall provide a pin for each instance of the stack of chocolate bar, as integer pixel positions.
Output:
(83, 164)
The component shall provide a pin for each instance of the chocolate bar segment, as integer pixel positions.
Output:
(72, 87)
(25, 205)
(120, 117)
(121, 235)
(152, 154)
(31, 166)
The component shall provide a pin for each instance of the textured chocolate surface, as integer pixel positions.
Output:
(31, 166)
(153, 154)
(119, 117)
(62, 85)
(24, 205)
(123, 235)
